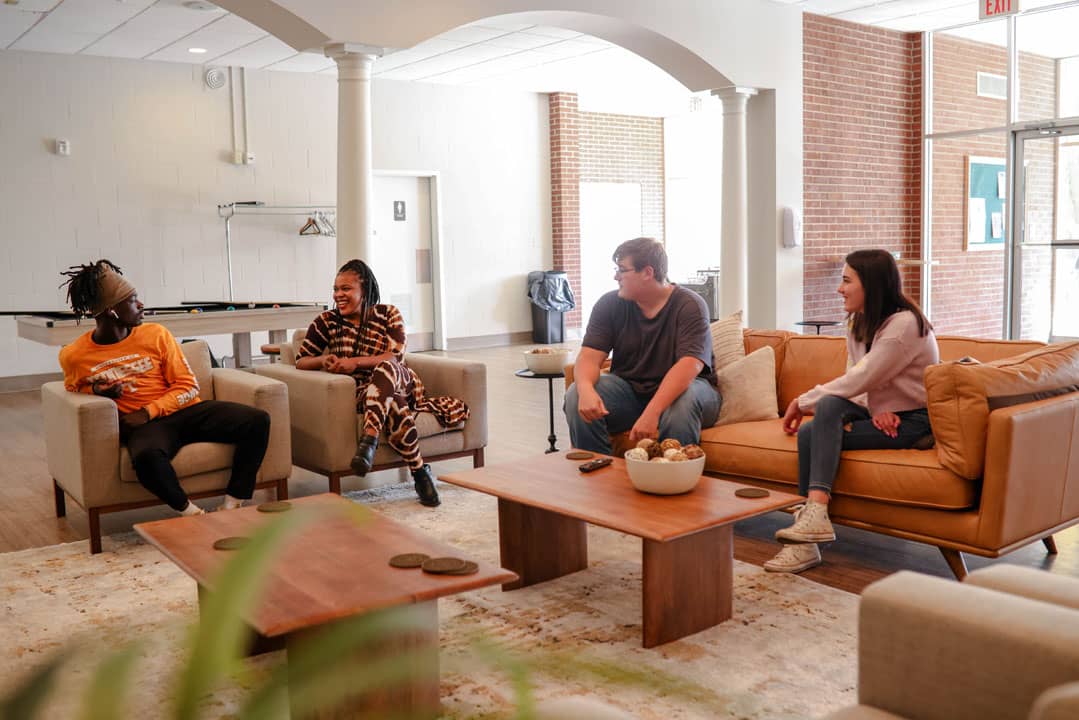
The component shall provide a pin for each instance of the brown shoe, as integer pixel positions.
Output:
(364, 458)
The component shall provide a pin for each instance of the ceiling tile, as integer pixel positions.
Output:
(303, 62)
(224, 35)
(14, 22)
(469, 34)
(37, 5)
(554, 32)
(149, 31)
(74, 24)
(501, 23)
(258, 54)
(426, 49)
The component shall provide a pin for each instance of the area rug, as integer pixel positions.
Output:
(788, 652)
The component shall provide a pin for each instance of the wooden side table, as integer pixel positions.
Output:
(550, 378)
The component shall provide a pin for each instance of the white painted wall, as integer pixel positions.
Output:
(150, 162)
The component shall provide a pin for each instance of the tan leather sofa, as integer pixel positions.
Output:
(1001, 645)
(998, 479)
(87, 462)
(325, 425)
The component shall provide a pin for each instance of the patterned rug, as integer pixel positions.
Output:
(788, 652)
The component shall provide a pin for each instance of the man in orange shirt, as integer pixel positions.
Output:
(142, 369)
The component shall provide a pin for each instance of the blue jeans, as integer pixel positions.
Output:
(697, 407)
(821, 440)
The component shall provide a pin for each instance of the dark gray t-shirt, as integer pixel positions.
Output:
(645, 349)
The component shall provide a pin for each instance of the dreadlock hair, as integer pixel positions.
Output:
(371, 295)
(83, 286)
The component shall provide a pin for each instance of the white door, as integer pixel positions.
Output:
(401, 254)
(610, 215)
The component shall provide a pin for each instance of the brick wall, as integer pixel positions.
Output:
(598, 147)
(862, 167)
(968, 285)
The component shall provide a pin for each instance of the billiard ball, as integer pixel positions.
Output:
(230, 307)
(276, 305)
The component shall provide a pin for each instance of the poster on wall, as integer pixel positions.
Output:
(985, 201)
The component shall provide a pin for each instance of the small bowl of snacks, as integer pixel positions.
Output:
(546, 361)
(664, 467)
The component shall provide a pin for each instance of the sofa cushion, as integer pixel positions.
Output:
(775, 339)
(960, 395)
(809, 361)
(900, 477)
(748, 388)
(426, 426)
(727, 344)
(193, 459)
(954, 347)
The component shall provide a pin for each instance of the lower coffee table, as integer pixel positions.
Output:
(544, 503)
(332, 570)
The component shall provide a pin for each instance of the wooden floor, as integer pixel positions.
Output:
(518, 427)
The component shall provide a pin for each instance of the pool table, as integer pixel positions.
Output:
(58, 327)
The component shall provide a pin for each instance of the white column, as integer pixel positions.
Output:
(355, 172)
(734, 247)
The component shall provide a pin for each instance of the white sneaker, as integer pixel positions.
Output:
(794, 558)
(811, 525)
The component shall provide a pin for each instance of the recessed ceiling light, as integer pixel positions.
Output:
(196, 51)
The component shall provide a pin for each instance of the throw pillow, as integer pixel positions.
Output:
(748, 388)
(727, 343)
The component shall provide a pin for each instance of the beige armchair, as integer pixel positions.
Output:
(1001, 645)
(326, 427)
(88, 463)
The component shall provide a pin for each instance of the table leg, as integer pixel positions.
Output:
(278, 336)
(688, 584)
(538, 544)
(550, 416)
(259, 643)
(241, 349)
(413, 652)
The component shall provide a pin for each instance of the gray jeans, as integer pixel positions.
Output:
(821, 440)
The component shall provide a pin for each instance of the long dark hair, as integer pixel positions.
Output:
(371, 293)
(883, 288)
(83, 286)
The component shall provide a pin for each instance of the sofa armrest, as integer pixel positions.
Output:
(1029, 472)
(265, 394)
(82, 442)
(1059, 703)
(462, 379)
(322, 415)
(1029, 583)
(936, 649)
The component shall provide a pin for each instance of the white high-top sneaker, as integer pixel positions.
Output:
(794, 558)
(811, 525)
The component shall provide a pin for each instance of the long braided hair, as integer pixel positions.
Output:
(84, 287)
(371, 294)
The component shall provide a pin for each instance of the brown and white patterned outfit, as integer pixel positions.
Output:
(390, 393)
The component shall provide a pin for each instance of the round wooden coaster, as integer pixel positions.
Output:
(579, 455)
(751, 492)
(408, 560)
(469, 568)
(442, 565)
(274, 507)
(230, 543)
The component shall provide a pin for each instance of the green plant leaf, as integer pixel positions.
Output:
(25, 701)
(104, 696)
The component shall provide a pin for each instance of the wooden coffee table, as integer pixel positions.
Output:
(332, 570)
(544, 503)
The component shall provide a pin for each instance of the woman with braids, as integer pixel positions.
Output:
(140, 367)
(879, 403)
(365, 339)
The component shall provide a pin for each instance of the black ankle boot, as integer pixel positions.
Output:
(425, 486)
(365, 455)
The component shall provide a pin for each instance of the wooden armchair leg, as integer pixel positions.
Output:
(1050, 545)
(281, 492)
(58, 498)
(94, 516)
(477, 458)
(955, 561)
(335, 482)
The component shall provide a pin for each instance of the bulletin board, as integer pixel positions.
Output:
(986, 200)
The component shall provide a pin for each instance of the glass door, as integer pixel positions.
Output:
(1044, 274)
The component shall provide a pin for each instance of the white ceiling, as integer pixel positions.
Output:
(492, 52)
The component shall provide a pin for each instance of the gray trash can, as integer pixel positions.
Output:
(551, 297)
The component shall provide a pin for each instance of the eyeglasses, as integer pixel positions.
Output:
(620, 271)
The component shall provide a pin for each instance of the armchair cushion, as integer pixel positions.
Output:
(193, 459)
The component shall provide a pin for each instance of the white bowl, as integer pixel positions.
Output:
(669, 478)
(550, 363)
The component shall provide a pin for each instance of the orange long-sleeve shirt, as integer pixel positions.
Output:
(155, 373)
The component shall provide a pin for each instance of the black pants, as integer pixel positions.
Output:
(153, 445)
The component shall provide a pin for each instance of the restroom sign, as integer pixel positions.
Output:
(997, 8)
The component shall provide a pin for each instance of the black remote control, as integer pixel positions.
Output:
(595, 464)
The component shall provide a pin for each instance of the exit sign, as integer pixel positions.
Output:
(997, 8)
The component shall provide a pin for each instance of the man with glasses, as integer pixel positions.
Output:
(661, 383)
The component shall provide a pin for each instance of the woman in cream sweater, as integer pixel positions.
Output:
(878, 403)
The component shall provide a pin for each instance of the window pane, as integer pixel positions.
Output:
(1066, 294)
(969, 77)
(1043, 39)
(967, 287)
